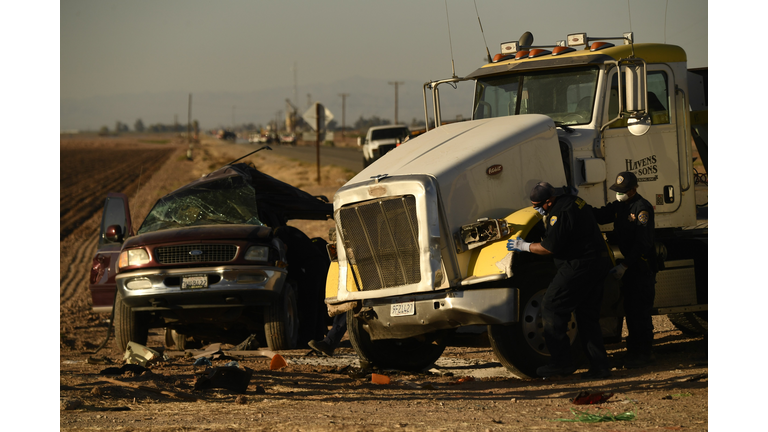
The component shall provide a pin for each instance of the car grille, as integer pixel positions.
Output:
(381, 242)
(184, 253)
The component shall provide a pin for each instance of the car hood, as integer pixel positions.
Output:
(201, 234)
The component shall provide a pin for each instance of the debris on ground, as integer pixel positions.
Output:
(69, 404)
(379, 379)
(151, 389)
(139, 354)
(586, 398)
(250, 343)
(226, 377)
(598, 416)
(98, 360)
(462, 380)
(202, 361)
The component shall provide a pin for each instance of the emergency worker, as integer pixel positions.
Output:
(633, 225)
(574, 240)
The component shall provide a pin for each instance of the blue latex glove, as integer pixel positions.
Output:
(518, 245)
(618, 271)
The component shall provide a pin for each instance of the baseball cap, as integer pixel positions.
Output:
(543, 191)
(625, 181)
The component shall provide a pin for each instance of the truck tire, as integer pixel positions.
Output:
(520, 346)
(281, 320)
(129, 326)
(409, 354)
(690, 323)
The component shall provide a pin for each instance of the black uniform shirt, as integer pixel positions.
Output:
(571, 231)
(633, 223)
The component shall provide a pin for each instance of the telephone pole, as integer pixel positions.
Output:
(343, 111)
(396, 83)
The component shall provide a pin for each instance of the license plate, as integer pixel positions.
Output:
(403, 309)
(194, 282)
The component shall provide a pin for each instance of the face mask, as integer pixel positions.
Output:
(541, 211)
(621, 197)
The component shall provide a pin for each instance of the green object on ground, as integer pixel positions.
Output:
(599, 416)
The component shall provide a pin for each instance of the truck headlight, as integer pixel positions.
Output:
(257, 253)
(133, 257)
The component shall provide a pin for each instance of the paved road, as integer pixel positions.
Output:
(350, 158)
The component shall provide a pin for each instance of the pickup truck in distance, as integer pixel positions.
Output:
(381, 139)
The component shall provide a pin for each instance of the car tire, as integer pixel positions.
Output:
(411, 354)
(281, 320)
(520, 346)
(129, 326)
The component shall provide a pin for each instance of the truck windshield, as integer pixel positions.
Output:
(565, 95)
(392, 133)
(225, 201)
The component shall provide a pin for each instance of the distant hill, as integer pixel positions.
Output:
(367, 98)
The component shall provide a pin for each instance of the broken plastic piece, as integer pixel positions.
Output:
(277, 363)
(586, 398)
(379, 379)
(462, 380)
(202, 361)
(139, 354)
(230, 378)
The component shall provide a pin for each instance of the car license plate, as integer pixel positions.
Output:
(403, 309)
(194, 282)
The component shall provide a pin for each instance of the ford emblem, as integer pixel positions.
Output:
(494, 169)
(195, 252)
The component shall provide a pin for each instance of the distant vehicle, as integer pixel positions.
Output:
(381, 139)
(253, 138)
(215, 261)
(288, 139)
(226, 135)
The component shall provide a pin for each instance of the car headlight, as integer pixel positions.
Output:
(133, 257)
(257, 253)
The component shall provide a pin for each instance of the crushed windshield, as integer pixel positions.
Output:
(565, 95)
(226, 201)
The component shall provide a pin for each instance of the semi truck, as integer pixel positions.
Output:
(419, 245)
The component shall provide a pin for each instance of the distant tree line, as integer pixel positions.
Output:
(138, 126)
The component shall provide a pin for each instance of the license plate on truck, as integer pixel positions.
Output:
(403, 309)
(194, 282)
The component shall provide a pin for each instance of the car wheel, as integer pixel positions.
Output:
(281, 320)
(411, 354)
(520, 346)
(129, 326)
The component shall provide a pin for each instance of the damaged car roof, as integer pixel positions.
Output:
(280, 198)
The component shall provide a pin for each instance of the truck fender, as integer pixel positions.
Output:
(332, 283)
(493, 258)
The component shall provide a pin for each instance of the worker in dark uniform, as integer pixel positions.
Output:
(574, 240)
(633, 225)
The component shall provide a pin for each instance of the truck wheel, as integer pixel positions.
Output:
(175, 339)
(520, 346)
(690, 323)
(411, 354)
(129, 326)
(281, 320)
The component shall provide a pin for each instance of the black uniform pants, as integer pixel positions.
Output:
(639, 290)
(577, 287)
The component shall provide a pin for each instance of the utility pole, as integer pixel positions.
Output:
(343, 111)
(189, 128)
(396, 83)
(233, 118)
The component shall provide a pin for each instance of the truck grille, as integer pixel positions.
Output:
(183, 253)
(381, 241)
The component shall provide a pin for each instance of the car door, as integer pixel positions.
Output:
(104, 264)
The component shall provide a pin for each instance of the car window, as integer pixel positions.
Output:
(393, 133)
(225, 201)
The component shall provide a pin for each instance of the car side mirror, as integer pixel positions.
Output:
(114, 234)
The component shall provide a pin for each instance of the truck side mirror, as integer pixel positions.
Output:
(635, 85)
(114, 234)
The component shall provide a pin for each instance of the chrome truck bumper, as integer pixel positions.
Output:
(439, 311)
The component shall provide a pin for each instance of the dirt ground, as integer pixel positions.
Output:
(466, 390)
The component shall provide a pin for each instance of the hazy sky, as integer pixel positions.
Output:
(116, 47)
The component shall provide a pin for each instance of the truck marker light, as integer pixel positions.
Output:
(597, 46)
(538, 52)
(562, 50)
(521, 55)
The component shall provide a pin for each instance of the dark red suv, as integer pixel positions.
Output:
(215, 261)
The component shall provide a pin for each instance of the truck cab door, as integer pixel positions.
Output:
(104, 264)
(653, 156)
